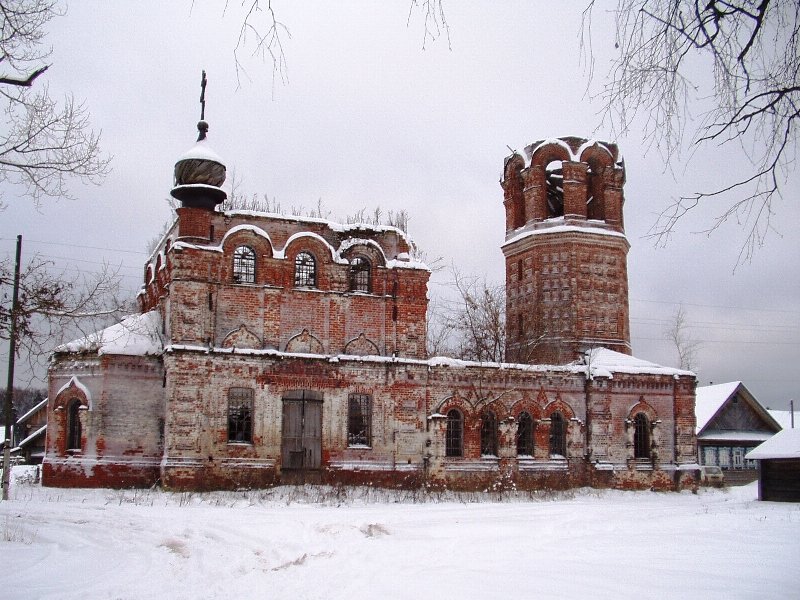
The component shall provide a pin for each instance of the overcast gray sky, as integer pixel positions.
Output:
(368, 118)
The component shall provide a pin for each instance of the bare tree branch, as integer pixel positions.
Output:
(55, 307)
(44, 143)
(753, 51)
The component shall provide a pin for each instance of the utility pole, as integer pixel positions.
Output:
(12, 351)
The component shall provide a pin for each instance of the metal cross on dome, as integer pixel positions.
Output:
(202, 126)
(203, 82)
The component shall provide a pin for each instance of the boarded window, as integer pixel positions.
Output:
(524, 435)
(305, 270)
(359, 420)
(489, 434)
(244, 265)
(641, 436)
(240, 415)
(360, 275)
(558, 435)
(74, 425)
(454, 438)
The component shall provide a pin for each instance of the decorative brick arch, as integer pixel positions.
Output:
(258, 242)
(457, 402)
(643, 407)
(601, 162)
(248, 235)
(73, 389)
(497, 407)
(241, 338)
(74, 396)
(305, 342)
(558, 405)
(362, 346)
(525, 404)
(367, 248)
(548, 152)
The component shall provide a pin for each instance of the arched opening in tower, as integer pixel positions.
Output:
(555, 189)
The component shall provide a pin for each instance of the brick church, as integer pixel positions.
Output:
(273, 349)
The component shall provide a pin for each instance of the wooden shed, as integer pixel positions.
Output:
(779, 467)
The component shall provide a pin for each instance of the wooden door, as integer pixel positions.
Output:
(301, 446)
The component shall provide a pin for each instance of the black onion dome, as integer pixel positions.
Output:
(199, 173)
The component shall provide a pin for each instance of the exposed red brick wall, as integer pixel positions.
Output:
(566, 277)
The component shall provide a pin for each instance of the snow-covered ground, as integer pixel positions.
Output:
(330, 543)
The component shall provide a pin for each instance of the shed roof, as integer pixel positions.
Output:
(784, 444)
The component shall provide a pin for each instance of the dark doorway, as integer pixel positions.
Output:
(302, 430)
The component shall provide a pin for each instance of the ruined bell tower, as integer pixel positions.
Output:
(565, 250)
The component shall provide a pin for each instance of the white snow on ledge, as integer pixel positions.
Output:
(136, 335)
(603, 362)
(545, 229)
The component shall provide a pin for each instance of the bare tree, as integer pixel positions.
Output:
(678, 332)
(262, 34)
(752, 49)
(44, 141)
(473, 326)
(54, 307)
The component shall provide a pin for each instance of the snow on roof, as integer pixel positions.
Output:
(784, 444)
(402, 261)
(332, 225)
(605, 362)
(33, 436)
(784, 418)
(37, 407)
(200, 151)
(136, 335)
(709, 399)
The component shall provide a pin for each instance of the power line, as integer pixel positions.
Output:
(671, 303)
(79, 246)
(729, 342)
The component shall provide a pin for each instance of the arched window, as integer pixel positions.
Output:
(305, 270)
(244, 265)
(558, 434)
(488, 434)
(641, 436)
(360, 275)
(74, 425)
(454, 439)
(524, 435)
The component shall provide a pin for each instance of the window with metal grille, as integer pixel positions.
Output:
(641, 436)
(74, 425)
(360, 275)
(244, 265)
(489, 434)
(558, 434)
(305, 270)
(240, 415)
(359, 420)
(454, 438)
(524, 435)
